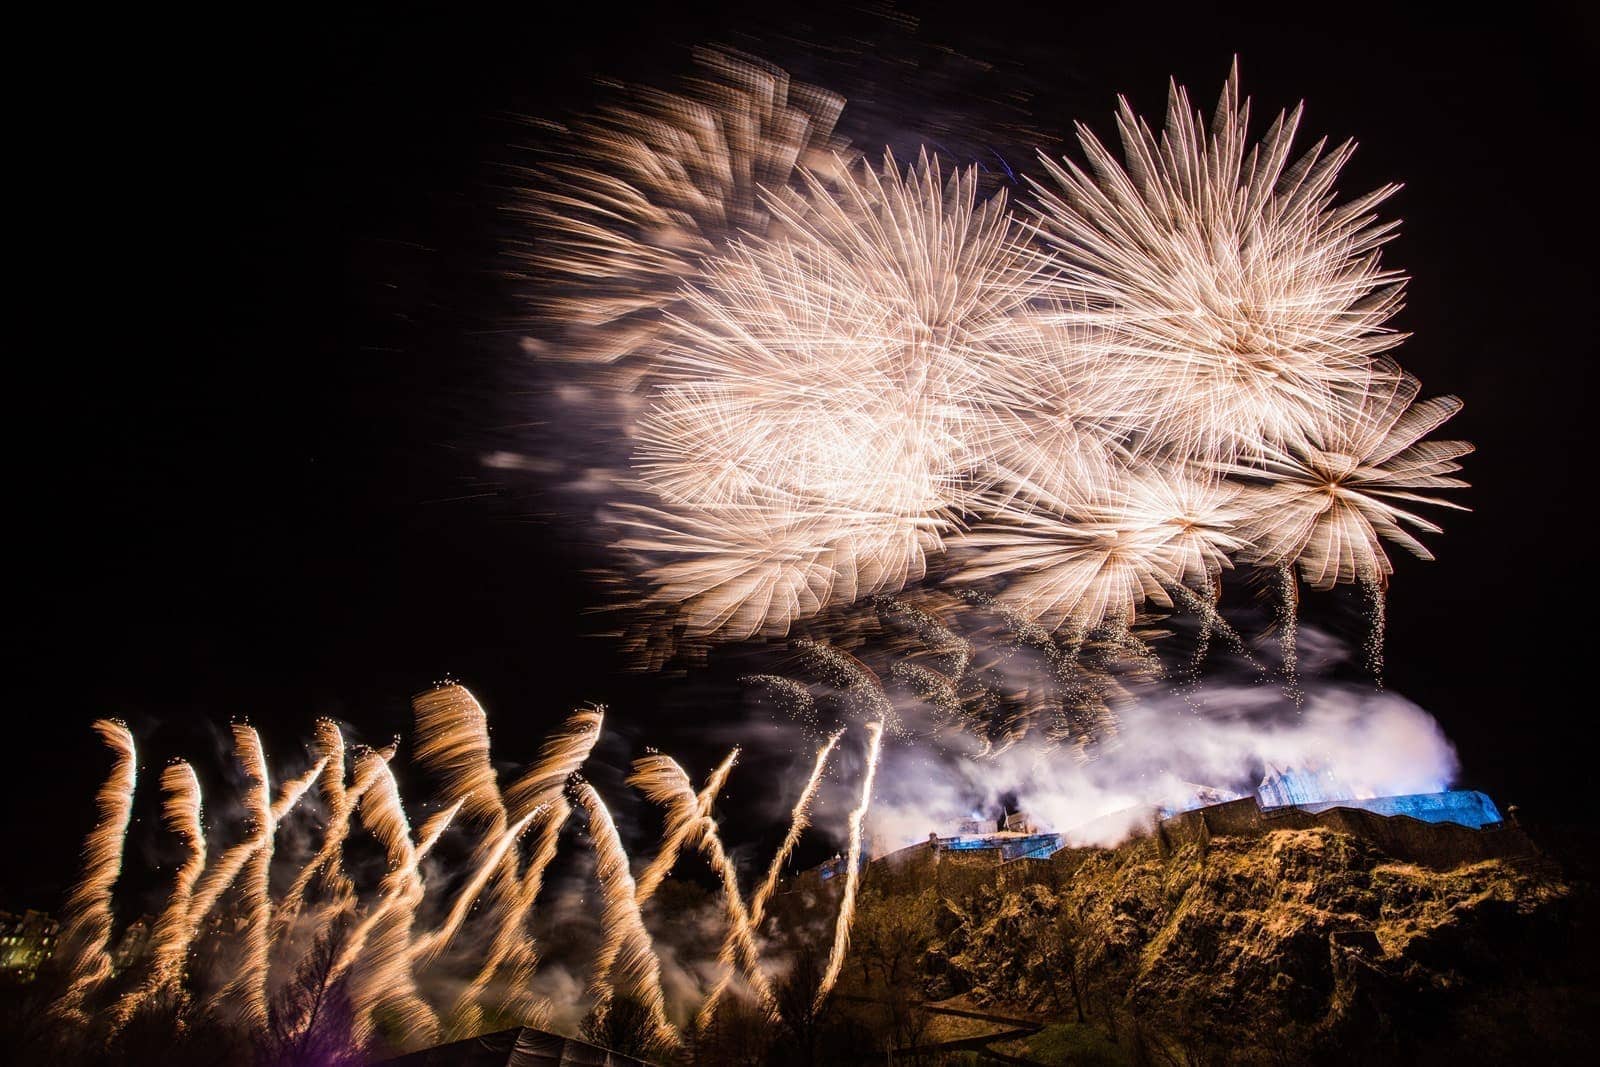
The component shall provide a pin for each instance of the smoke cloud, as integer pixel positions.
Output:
(1168, 754)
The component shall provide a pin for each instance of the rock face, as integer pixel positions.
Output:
(1300, 945)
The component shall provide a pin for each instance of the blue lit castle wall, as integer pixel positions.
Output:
(1313, 790)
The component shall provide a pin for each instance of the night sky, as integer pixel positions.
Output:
(268, 336)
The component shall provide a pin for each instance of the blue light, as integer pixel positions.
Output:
(1465, 807)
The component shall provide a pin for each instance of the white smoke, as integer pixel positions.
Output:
(1373, 743)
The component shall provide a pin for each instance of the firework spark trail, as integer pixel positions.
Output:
(661, 780)
(852, 874)
(794, 698)
(664, 782)
(249, 984)
(1203, 603)
(511, 948)
(453, 742)
(387, 924)
(428, 947)
(339, 894)
(1374, 590)
(328, 861)
(627, 948)
(1288, 627)
(221, 875)
(688, 820)
(510, 898)
(384, 979)
(799, 819)
(87, 928)
(859, 684)
(740, 944)
(935, 635)
(180, 811)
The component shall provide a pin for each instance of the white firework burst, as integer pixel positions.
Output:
(1326, 505)
(823, 384)
(1084, 564)
(1242, 305)
(642, 193)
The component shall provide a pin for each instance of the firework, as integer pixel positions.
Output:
(1098, 561)
(664, 782)
(180, 811)
(249, 983)
(384, 979)
(539, 794)
(367, 949)
(219, 877)
(689, 818)
(852, 874)
(837, 373)
(799, 819)
(637, 197)
(511, 950)
(453, 742)
(740, 943)
(1331, 501)
(821, 394)
(429, 947)
(1240, 307)
(627, 944)
(88, 911)
(327, 862)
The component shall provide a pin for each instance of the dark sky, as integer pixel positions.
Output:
(267, 336)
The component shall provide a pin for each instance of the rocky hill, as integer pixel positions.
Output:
(1297, 945)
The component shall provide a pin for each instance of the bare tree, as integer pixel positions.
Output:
(311, 1017)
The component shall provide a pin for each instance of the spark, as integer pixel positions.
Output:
(1240, 306)
(626, 947)
(87, 928)
(852, 874)
(799, 819)
(180, 811)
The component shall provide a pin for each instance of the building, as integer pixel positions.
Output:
(1018, 822)
(26, 942)
(132, 946)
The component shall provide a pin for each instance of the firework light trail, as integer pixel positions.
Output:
(540, 794)
(799, 819)
(384, 955)
(852, 872)
(88, 912)
(627, 943)
(169, 941)
(663, 782)
(339, 804)
(1170, 364)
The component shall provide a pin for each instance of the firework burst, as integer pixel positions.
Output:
(821, 395)
(1329, 502)
(1242, 305)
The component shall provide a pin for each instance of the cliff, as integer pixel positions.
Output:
(1289, 945)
